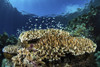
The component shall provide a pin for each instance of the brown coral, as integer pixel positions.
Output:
(29, 35)
(25, 58)
(79, 45)
(55, 43)
(10, 50)
(36, 34)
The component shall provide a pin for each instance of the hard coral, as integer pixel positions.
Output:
(10, 50)
(79, 45)
(29, 35)
(25, 58)
(36, 34)
(54, 44)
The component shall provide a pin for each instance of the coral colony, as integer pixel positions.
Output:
(50, 47)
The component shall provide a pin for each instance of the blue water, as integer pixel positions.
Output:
(11, 18)
(18, 16)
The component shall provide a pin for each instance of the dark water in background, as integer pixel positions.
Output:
(13, 22)
(11, 19)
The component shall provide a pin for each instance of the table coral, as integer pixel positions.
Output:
(52, 49)
(56, 43)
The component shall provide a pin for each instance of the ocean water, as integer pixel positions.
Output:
(50, 33)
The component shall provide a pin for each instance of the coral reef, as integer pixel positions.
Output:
(10, 51)
(25, 58)
(7, 63)
(56, 40)
(11, 48)
(55, 43)
(5, 40)
(97, 55)
(96, 20)
(36, 34)
(29, 35)
(87, 25)
(35, 44)
(54, 48)
(82, 25)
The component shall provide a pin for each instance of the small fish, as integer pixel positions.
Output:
(52, 21)
(53, 17)
(43, 21)
(36, 19)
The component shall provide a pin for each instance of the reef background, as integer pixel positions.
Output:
(90, 14)
(9, 15)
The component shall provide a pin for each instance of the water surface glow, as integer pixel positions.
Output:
(47, 7)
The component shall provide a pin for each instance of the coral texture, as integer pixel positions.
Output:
(10, 51)
(55, 43)
(36, 34)
(50, 49)
(5, 40)
(29, 35)
(11, 48)
(26, 58)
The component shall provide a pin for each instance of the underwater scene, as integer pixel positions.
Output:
(49, 33)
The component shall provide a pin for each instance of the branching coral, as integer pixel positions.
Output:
(34, 48)
(25, 58)
(5, 40)
(29, 35)
(36, 34)
(79, 45)
(10, 50)
(56, 43)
